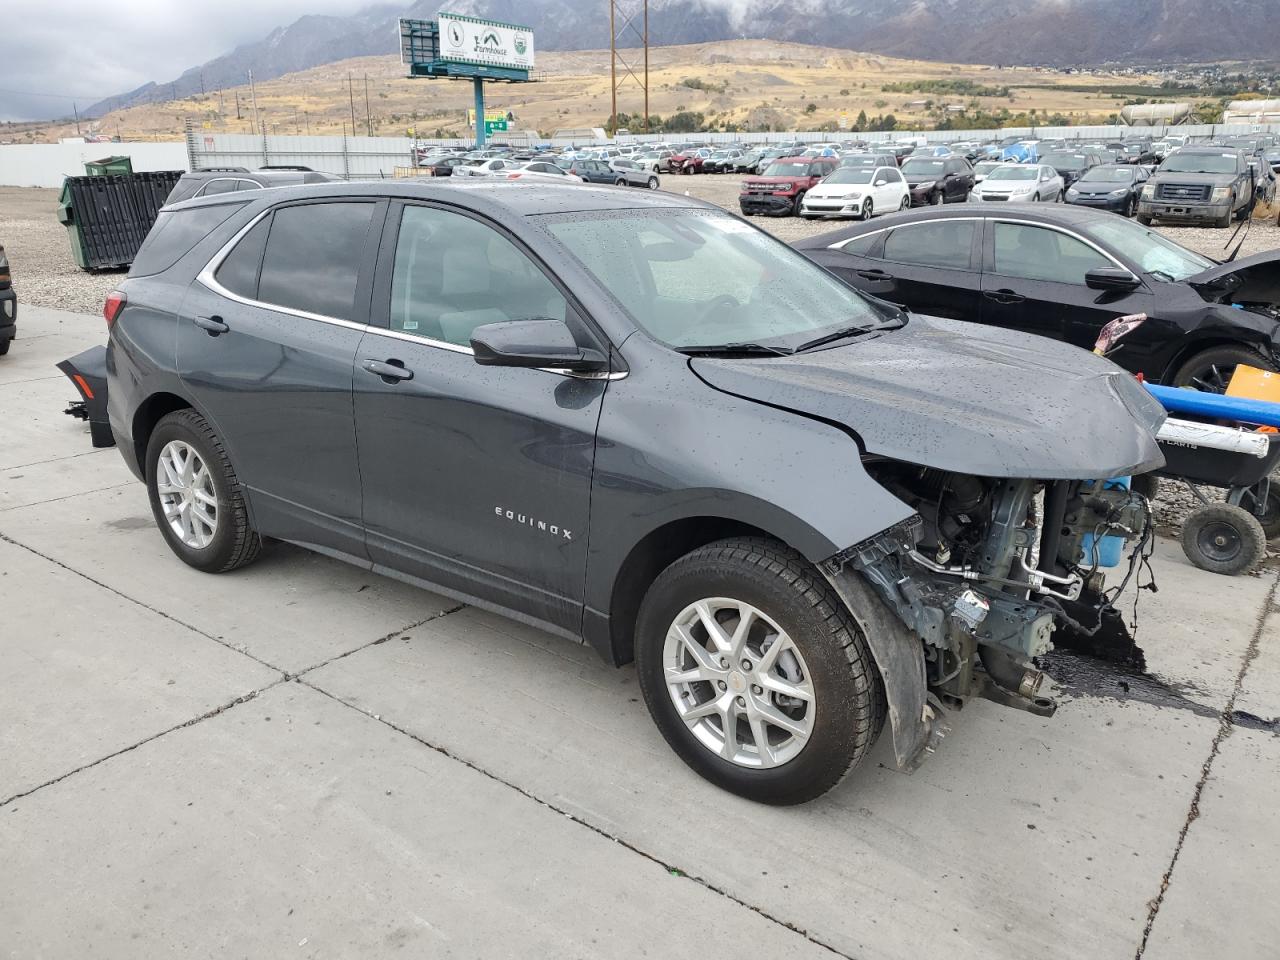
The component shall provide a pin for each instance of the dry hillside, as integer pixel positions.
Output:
(753, 82)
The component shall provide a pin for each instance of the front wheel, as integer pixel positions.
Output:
(797, 204)
(1222, 538)
(866, 212)
(1144, 219)
(620, 182)
(905, 204)
(1211, 370)
(653, 183)
(1131, 210)
(196, 498)
(935, 198)
(756, 673)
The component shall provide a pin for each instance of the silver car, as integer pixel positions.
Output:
(630, 173)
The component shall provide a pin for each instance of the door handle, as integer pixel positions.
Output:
(211, 325)
(1003, 296)
(874, 275)
(391, 371)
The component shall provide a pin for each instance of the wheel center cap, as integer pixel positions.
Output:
(737, 682)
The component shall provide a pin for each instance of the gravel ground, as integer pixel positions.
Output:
(44, 273)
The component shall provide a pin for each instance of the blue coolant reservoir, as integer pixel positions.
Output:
(1110, 548)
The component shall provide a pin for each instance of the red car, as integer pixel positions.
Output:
(690, 161)
(783, 185)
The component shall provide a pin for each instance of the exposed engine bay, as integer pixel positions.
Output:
(989, 569)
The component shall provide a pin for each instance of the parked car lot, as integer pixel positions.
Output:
(1098, 760)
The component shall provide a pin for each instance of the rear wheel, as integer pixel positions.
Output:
(4, 345)
(620, 182)
(1211, 370)
(196, 497)
(756, 673)
(1144, 220)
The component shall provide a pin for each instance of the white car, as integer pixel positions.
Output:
(493, 167)
(861, 192)
(540, 170)
(658, 161)
(633, 174)
(1020, 183)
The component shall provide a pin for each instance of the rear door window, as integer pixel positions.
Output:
(239, 270)
(175, 233)
(313, 255)
(941, 243)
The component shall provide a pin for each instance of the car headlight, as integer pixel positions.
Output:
(745, 186)
(1148, 191)
(853, 196)
(1220, 194)
(1073, 192)
(1117, 194)
(927, 185)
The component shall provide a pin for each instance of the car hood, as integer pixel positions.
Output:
(1194, 179)
(915, 179)
(1254, 279)
(837, 190)
(967, 398)
(770, 181)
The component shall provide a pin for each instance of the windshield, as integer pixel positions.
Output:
(704, 278)
(1066, 161)
(986, 166)
(859, 162)
(1151, 251)
(1183, 162)
(1108, 175)
(919, 165)
(1006, 172)
(850, 175)
(787, 170)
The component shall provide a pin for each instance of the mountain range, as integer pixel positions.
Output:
(1045, 32)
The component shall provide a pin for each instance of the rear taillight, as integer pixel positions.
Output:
(513, 176)
(111, 309)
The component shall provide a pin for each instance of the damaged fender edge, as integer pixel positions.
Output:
(914, 717)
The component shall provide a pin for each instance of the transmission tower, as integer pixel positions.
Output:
(622, 24)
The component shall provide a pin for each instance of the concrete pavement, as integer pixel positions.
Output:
(305, 759)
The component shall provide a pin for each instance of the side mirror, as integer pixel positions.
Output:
(1114, 279)
(880, 183)
(539, 342)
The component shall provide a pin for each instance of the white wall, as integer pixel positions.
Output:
(46, 164)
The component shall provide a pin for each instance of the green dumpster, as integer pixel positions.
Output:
(108, 166)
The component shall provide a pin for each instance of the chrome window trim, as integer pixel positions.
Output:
(207, 278)
(840, 244)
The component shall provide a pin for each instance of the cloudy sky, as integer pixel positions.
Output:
(55, 51)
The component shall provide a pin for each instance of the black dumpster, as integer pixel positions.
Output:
(108, 217)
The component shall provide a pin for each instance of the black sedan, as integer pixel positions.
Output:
(934, 180)
(1064, 272)
(1111, 186)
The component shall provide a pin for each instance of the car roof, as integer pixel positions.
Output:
(1060, 214)
(495, 197)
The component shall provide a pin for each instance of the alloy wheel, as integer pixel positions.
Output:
(187, 494)
(739, 683)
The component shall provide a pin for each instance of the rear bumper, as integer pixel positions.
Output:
(8, 314)
(766, 203)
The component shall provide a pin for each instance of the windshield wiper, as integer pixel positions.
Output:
(713, 349)
(840, 334)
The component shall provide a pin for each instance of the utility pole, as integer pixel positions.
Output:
(253, 91)
(222, 104)
(368, 117)
(613, 67)
(646, 66)
(351, 95)
(77, 115)
(202, 82)
(238, 116)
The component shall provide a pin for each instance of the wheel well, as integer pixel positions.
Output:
(149, 413)
(654, 553)
(1200, 346)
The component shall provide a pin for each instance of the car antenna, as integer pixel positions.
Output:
(1245, 226)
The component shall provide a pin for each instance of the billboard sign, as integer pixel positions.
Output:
(476, 41)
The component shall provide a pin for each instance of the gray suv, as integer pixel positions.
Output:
(1198, 185)
(639, 422)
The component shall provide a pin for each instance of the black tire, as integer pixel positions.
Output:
(1147, 484)
(1144, 219)
(653, 183)
(1222, 538)
(848, 693)
(235, 543)
(1211, 370)
(905, 204)
(867, 210)
(796, 204)
(4, 345)
(1132, 209)
(620, 182)
(1270, 518)
(1036, 198)
(935, 198)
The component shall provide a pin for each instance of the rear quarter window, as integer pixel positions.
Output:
(175, 233)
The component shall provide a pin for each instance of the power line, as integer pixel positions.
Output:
(53, 96)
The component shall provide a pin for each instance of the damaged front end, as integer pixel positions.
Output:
(981, 578)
